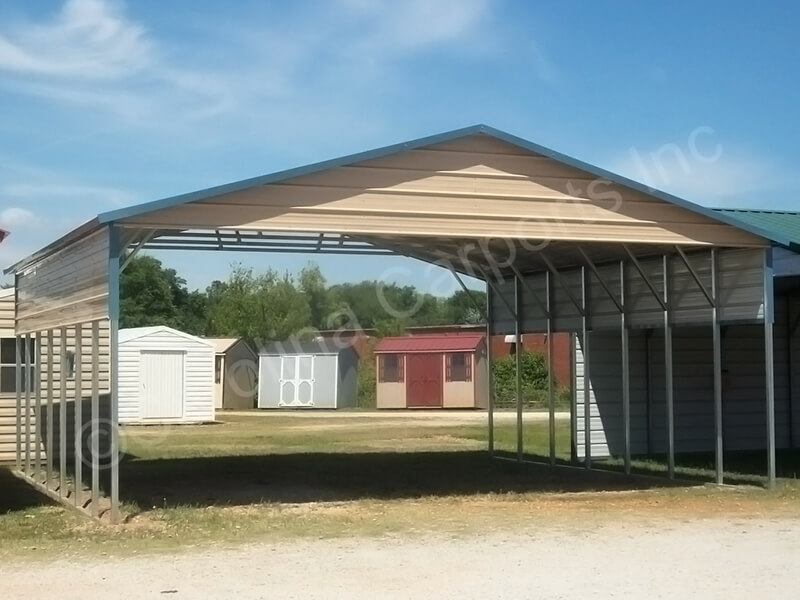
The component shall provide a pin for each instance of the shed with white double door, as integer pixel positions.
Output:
(317, 374)
(165, 376)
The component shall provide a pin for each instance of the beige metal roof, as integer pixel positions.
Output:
(221, 344)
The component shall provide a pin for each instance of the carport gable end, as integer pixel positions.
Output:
(475, 183)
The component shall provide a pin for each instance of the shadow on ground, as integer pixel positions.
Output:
(301, 478)
(15, 494)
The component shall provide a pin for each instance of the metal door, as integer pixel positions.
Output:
(297, 381)
(424, 380)
(161, 383)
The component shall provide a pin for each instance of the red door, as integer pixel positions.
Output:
(424, 380)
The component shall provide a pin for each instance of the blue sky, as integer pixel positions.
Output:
(105, 103)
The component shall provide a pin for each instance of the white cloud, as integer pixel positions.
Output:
(722, 176)
(93, 55)
(14, 217)
(88, 39)
(57, 191)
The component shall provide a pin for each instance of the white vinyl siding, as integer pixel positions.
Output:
(198, 375)
(161, 378)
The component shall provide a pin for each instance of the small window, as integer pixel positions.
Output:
(8, 365)
(391, 368)
(459, 366)
(218, 369)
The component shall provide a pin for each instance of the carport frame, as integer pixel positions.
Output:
(359, 243)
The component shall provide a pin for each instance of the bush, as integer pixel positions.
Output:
(367, 380)
(534, 380)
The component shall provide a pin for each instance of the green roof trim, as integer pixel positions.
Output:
(782, 224)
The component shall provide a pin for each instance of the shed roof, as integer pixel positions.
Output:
(778, 223)
(222, 344)
(133, 333)
(318, 346)
(429, 343)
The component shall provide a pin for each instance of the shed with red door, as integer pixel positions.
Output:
(431, 371)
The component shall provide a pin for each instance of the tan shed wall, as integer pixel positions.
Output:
(66, 288)
(475, 187)
(391, 395)
(467, 394)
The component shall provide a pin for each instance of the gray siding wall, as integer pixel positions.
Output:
(741, 294)
(744, 410)
(348, 378)
(269, 374)
(326, 379)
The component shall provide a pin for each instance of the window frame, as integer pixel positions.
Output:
(397, 372)
(461, 373)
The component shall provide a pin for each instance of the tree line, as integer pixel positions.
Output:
(275, 306)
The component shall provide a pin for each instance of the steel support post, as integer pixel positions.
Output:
(551, 400)
(518, 341)
(50, 400)
(95, 424)
(587, 392)
(626, 375)
(62, 414)
(489, 378)
(668, 375)
(114, 270)
(769, 364)
(28, 384)
(716, 337)
(18, 383)
(78, 498)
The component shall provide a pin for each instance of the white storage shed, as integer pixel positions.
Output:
(165, 376)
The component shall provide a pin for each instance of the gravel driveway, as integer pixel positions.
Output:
(669, 558)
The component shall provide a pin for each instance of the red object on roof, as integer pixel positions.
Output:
(429, 343)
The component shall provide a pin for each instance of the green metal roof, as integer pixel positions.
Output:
(783, 224)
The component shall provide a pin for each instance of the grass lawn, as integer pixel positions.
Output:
(278, 476)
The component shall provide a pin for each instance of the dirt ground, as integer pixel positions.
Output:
(727, 558)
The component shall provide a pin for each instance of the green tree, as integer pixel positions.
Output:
(153, 295)
(460, 308)
(533, 379)
(257, 307)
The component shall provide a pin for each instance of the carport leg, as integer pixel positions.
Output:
(78, 415)
(717, 342)
(62, 414)
(769, 364)
(114, 270)
(668, 376)
(28, 381)
(551, 401)
(518, 339)
(626, 375)
(95, 425)
(587, 395)
(37, 452)
(770, 376)
(18, 382)
(489, 380)
(50, 399)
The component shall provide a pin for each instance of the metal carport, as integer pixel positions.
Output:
(561, 245)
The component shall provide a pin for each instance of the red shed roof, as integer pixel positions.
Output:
(429, 343)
